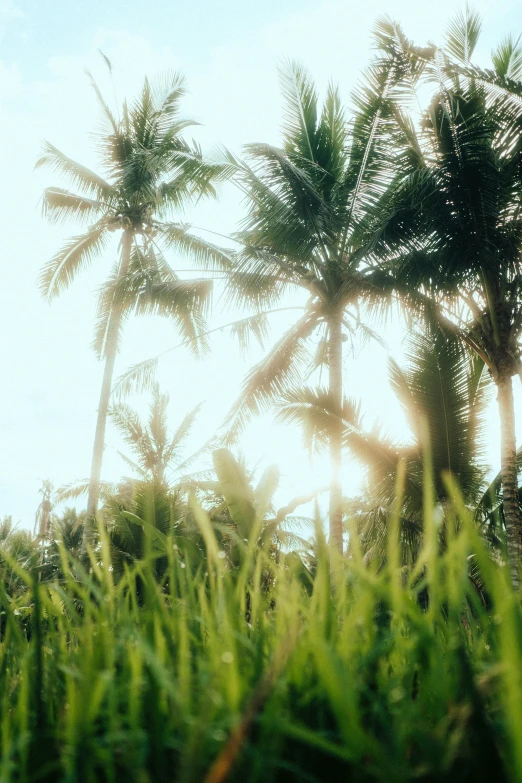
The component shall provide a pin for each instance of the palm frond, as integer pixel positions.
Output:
(128, 423)
(79, 176)
(301, 110)
(462, 35)
(59, 205)
(168, 89)
(507, 58)
(78, 489)
(332, 138)
(260, 278)
(107, 113)
(255, 326)
(181, 434)
(291, 541)
(185, 302)
(76, 254)
(177, 237)
(192, 177)
(313, 410)
(280, 369)
(287, 191)
(139, 377)
(150, 287)
(441, 391)
(372, 153)
(156, 452)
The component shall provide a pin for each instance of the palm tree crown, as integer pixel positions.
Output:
(150, 170)
(157, 453)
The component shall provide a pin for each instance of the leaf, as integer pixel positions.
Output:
(60, 205)
(254, 326)
(280, 369)
(80, 176)
(160, 539)
(507, 58)
(139, 377)
(236, 490)
(313, 411)
(106, 60)
(177, 236)
(301, 110)
(462, 35)
(265, 489)
(76, 255)
(151, 288)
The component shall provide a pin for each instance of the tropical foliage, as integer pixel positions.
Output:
(192, 676)
(442, 392)
(452, 233)
(193, 627)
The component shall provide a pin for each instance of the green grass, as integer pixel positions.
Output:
(385, 677)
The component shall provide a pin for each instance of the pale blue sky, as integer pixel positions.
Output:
(229, 51)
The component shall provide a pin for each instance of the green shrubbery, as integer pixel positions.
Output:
(216, 671)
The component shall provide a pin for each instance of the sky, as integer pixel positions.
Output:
(229, 51)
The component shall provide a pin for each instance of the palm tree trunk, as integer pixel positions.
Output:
(335, 356)
(105, 393)
(508, 457)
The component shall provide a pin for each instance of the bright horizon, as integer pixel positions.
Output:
(229, 53)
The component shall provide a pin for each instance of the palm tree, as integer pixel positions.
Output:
(68, 528)
(19, 546)
(140, 512)
(143, 529)
(149, 170)
(306, 229)
(42, 523)
(158, 454)
(239, 509)
(453, 231)
(64, 531)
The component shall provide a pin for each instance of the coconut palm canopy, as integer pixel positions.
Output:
(309, 203)
(149, 171)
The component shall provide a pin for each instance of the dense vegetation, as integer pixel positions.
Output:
(232, 661)
(183, 627)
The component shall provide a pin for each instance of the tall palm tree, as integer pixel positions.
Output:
(453, 231)
(306, 229)
(149, 171)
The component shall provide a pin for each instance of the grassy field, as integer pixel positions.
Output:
(261, 672)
